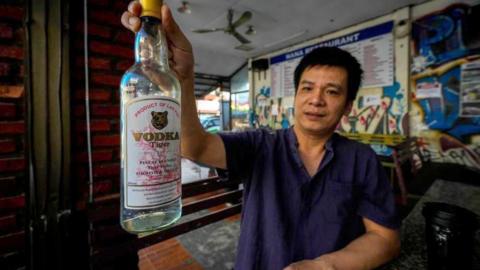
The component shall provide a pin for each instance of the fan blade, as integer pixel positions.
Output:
(201, 31)
(240, 38)
(244, 47)
(246, 16)
(230, 16)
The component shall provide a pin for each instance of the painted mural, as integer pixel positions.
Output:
(445, 83)
(381, 111)
(377, 111)
(271, 113)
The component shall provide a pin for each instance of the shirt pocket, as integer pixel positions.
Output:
(338, 202)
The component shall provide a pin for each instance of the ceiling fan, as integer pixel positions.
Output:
(231, 27)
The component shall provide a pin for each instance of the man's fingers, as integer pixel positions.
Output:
(135, 8)
(130, 18)
(131, 21)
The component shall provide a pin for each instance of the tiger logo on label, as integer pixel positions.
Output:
(159, 119)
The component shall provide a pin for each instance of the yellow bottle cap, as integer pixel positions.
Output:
(151, 8)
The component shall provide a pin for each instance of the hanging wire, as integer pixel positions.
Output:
(87, 102)
(31, 196)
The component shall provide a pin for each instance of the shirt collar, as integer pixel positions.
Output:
(293, 141)
(329, 148)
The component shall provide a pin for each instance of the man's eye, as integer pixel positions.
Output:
(306, 88)
(332, 92)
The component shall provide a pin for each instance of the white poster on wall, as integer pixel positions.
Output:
(429, 90)
(373, 48)
(470, 90)
(372, 100)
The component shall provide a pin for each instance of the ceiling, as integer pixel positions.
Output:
(278, 24)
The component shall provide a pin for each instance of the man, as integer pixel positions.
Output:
(312, 198)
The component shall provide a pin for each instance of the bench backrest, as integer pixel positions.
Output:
(109, 243)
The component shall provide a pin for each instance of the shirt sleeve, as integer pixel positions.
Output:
(377, 201)
(241, 151)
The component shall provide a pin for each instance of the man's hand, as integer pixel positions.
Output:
(179, 48)
(320, 263)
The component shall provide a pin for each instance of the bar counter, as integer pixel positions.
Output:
(413, 253)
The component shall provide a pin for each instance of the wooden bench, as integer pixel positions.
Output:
(110, 247)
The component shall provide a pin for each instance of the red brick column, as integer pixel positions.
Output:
(110, 50)
(12, 136)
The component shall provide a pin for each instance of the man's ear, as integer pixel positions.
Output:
(348, 108)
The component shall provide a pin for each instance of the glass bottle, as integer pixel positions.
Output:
(150, 132)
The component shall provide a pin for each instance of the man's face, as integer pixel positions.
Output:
(321, 99)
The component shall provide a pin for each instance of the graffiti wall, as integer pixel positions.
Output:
(272, 113)
(377, 111)
(445, 84)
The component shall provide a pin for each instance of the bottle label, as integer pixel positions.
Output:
(152, 153)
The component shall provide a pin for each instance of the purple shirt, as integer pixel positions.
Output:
(289, 216)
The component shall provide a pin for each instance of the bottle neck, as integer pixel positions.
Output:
(150, 43)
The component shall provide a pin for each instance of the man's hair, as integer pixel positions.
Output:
(335, 57)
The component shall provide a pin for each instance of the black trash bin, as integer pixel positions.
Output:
(450, 233)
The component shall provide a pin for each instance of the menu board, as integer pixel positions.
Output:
(282, 78)
(373, 48)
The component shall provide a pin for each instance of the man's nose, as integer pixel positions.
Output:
(317, 98)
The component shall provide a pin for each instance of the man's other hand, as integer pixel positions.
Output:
(317, 264)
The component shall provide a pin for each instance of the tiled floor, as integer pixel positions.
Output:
(167, 255)
(179, 253)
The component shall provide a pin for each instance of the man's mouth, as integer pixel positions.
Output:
(314, 115)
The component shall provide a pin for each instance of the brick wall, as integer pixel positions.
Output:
(12, 135)
(110, 54)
